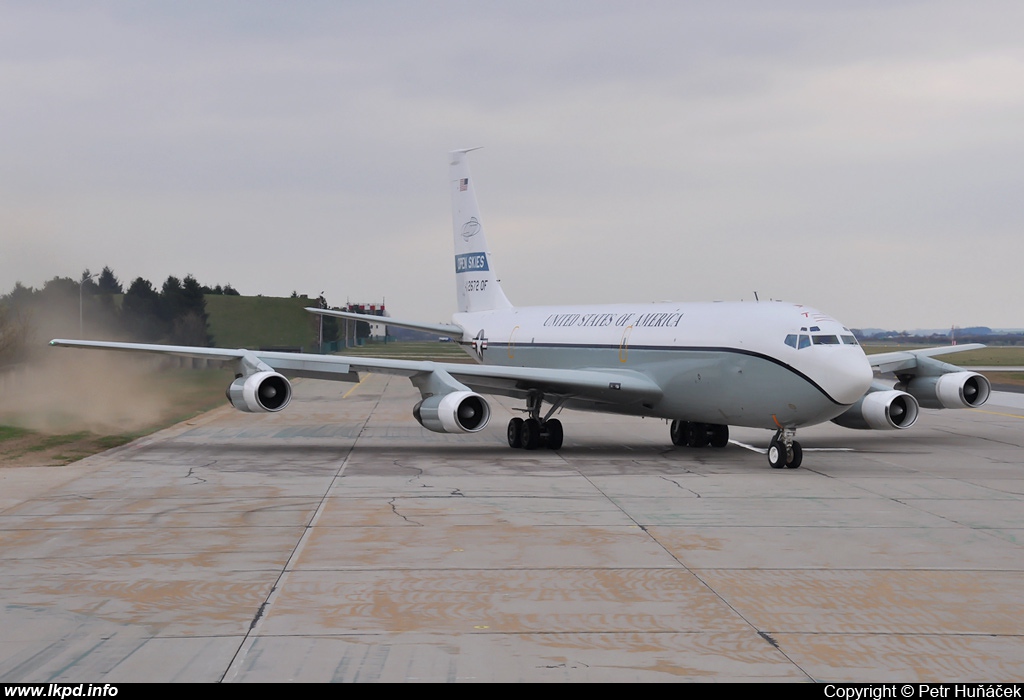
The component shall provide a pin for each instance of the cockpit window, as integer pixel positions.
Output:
(826, 340)
(791, 340)
(849, 340)
(814, 328)
(805, 342)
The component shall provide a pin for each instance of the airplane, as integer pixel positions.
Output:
(701, 366)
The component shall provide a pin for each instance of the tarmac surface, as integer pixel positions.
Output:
(339, 541)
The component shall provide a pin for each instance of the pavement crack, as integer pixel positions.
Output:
(678, 485)
(259, 613)
(192, 475)
(394, 509)
(418, 471)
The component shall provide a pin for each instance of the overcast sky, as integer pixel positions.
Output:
(865, 158)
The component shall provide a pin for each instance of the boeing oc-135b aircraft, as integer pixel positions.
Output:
(702, 366)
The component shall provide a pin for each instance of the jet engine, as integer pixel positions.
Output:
(880, 410)
(952, 390)
(455, 412)
(262, 392)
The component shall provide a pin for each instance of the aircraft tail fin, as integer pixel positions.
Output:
(476, 283)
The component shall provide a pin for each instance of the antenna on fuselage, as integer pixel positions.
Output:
(755, 297)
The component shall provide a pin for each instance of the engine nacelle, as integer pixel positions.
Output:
(455, 412)
(262, 392)
(953, 390)
(881, 410)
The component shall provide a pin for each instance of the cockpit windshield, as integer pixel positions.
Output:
(805, 340)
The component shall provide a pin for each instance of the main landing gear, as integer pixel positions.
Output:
(686, 434)
(784, 451)
(536, 432)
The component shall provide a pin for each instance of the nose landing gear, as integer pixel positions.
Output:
(784, 451)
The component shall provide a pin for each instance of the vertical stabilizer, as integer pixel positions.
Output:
(476, 283)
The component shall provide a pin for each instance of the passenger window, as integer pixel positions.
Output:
(805, 342)
(791, 340)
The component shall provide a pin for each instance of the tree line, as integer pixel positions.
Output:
(101, 305)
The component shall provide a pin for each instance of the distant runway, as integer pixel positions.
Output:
(340, 541)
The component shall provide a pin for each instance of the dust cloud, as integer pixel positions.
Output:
(66, 390)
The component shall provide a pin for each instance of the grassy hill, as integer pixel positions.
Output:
(260, 322)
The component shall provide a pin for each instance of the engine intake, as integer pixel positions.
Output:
(262, 392)
(953, 390)
(455, 412)
(881, 410)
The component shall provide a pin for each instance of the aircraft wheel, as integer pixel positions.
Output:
(696, 435)
(529, 439)
(796, 456)
(678, 432)
(515, 432)
(553, 441)
(777, 454)
(719, 435)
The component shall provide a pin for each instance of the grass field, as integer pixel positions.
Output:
(995, 356)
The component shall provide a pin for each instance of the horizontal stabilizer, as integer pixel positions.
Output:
(438, 328)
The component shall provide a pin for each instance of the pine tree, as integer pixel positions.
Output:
(108, 283)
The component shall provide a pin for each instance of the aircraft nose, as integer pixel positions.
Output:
(849, 377)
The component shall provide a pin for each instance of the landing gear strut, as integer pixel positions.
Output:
(536, 431)
(686, 434)
(784, 451)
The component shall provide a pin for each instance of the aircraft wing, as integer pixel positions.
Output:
(610, 386)
(903, 360)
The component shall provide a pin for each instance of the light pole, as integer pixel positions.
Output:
(86, 276)
(323, 305)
